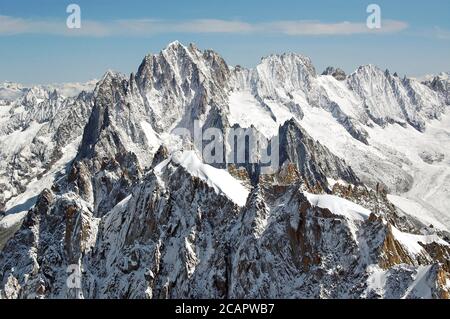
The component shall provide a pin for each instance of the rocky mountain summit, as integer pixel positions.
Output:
(103, 197)
(337, 73)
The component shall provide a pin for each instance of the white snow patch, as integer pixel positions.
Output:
(339, 206)
(420, 286)
(418, 211)
(152, 137)
(121, 206)
(339, 92)
(353, 213)
(377, 279)
(161, 166)
(245, 110)
(14, 142)
(411, 241)
(10, 220)
(219, 179)
(281, 113)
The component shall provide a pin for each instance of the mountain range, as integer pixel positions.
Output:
(95, 181)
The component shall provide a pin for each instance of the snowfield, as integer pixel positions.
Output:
(246, 111)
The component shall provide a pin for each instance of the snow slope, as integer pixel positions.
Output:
(18, 204)
(245, 110)
(339, 206)
(411, 241)
(153, 139)
(219, 179)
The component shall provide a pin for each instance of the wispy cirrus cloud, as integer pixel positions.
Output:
(298, 28)
(14, 26)
(148, 27)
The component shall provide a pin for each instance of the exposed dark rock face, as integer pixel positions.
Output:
(314, 162)
(174, 237)
(337, 73)
(441, 84)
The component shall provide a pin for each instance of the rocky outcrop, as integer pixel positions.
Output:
(313, 161)
(441, 84)
(337, 73)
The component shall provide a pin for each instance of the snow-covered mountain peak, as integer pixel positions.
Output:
(110, 75)
(337, 73)
(176, 50)
(174, 45)
(369, 70)
(288, 61)
(280, 75)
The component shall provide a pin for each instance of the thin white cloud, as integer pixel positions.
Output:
(149, 27)
(153, 26)
(298, 28)
(15, 26)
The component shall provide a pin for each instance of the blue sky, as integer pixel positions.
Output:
(37, 47)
